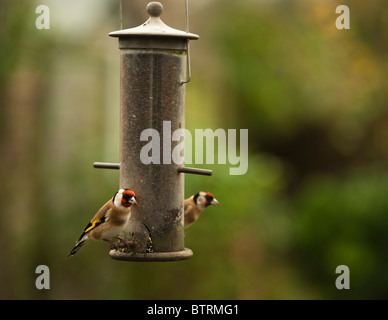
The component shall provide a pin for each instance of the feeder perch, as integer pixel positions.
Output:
(155, 66)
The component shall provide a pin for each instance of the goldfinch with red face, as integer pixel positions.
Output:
(196, 204)
(109, 221)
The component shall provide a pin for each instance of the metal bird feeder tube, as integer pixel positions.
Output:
(153, 71)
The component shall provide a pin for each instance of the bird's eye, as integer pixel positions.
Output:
(209, 199)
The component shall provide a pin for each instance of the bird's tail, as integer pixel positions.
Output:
(78, 246)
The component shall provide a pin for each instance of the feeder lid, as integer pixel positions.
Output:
(153, 27)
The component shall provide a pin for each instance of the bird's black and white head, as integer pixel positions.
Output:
(204, 199)
(124, 198)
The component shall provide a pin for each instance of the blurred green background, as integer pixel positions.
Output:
(313, 97)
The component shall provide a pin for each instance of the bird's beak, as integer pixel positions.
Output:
(133, 200)
(215, 202)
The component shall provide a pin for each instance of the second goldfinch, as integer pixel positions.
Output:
(196, 204)
(109, 221)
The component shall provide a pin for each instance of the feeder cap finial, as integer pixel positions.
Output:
(154, 27)
(154, 9)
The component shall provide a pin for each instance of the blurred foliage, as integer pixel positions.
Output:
(314, 101)
(344, 218)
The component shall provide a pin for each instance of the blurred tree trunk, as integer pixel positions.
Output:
(18, 171)
(21, 92)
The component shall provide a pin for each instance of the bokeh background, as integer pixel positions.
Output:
(313, 97)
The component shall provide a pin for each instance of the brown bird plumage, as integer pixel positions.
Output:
(109, 221)
(195, 205)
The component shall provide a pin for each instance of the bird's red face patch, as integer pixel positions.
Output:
(209, 198)
(129, 192)
(126, 197)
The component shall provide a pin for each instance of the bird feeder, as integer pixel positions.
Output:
(154, 69)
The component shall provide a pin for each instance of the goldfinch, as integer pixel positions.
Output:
(196, 204)
(109, 221)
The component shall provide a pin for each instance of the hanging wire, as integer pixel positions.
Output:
(121, 14)
(187, 15)
(188, 45)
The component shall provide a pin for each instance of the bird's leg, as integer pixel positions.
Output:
(123, 241)
(149, 240)
(113, 244)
